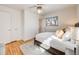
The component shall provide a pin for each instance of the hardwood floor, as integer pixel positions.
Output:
(13, 48)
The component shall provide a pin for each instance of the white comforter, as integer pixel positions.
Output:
(55, 42)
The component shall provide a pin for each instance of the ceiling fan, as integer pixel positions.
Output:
(38, 7)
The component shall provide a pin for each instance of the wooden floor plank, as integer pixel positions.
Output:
(13, 48)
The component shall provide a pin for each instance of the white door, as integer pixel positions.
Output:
(14, 27)
(5, 29)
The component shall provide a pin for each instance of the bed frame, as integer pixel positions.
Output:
(51, 50)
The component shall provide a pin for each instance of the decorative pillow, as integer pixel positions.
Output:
(59, 33)
(67, 36)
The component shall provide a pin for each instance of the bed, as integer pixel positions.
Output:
(57, 46)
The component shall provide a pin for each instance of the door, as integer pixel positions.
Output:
(14, 27)
(5, 27)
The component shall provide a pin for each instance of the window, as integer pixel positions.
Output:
(52, 21)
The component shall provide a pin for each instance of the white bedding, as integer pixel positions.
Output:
(55, 43)
(43, 36)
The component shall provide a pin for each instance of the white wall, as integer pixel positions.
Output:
(15, 23)
(31, 24)
(24, 24)
(66, 16)
(78, 12)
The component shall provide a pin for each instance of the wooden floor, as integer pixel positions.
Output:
(13, 48)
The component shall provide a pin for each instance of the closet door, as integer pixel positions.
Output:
(5, 27)
(15, 27)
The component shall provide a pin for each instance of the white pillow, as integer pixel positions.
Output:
(66, 36)
(59, 33)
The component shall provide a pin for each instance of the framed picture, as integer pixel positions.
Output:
(52, 21)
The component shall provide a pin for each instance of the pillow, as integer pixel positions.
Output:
(67, 36)
(59, 33)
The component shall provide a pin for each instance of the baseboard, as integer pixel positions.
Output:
(15, 40)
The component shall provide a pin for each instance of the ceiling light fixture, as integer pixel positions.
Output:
(39, 9)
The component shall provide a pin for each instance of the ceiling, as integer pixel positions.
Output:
(46, 7)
